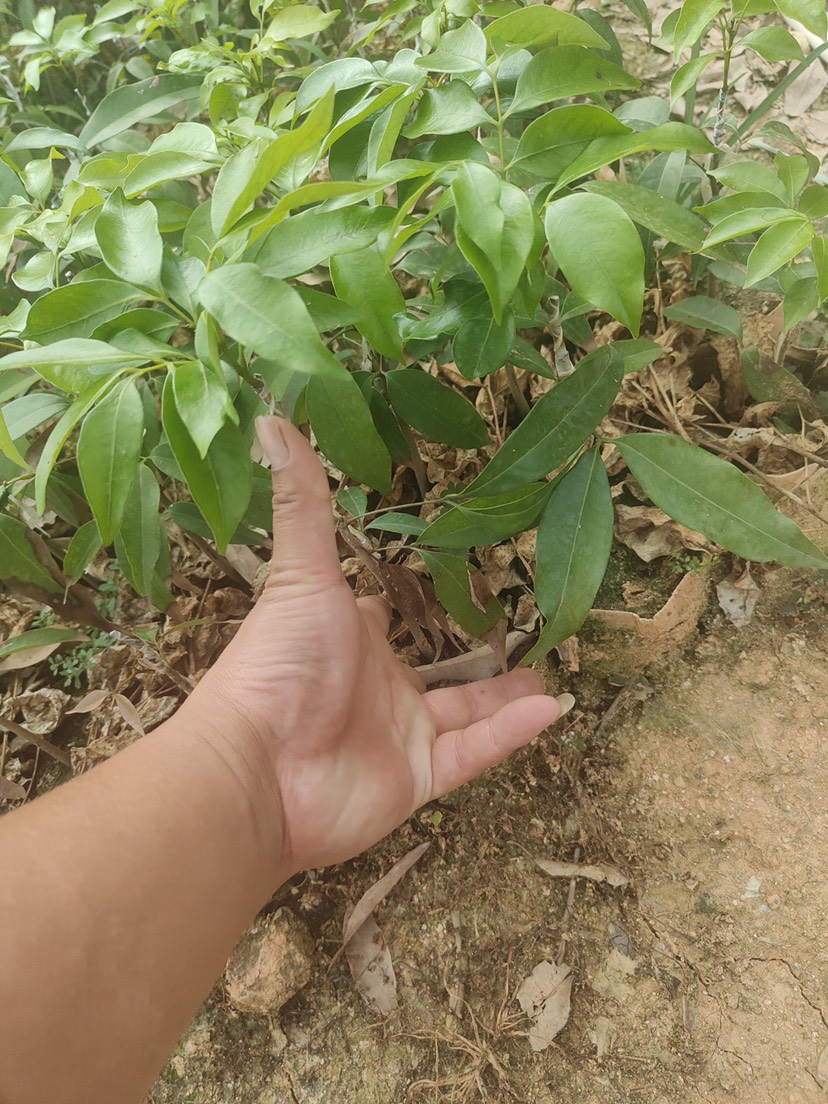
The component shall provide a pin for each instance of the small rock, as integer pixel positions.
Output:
(270, 965)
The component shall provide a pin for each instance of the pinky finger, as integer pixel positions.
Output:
(459, 756)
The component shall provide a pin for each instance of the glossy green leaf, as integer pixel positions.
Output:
(298, 21)
(687, 75)
(220, 482)
(715, 498)
(341, 420)
(819, 250)
(556, 426)
(327, 312)
(552, 142)
(72, 364)
(482, 346)
(810, 13)
(488, 520)
(437, 411)
(563, 71)
(202, 401)
(246, 174)
(129, 240)
(460, 51)
(138, 544)
(600, 254)
(750, 176)
(18, 559)
(637, 354)
(59, 435)
(768, 381)
(694, 17)
(354, 500)
(666, 218)
(268, 316)
(77, 309)
(572, 551)
(794, 172)
(394, 522)
(134, 103)
(447, 110)
(746, 222)
(542, 25)
(39, 639)
(337, 76)
(778, 245)
(301, 242)
(602, 151)
(83, 548)
(363, 279)
(453, 586)
(707, 314)
(801, 299)
(7, 445)
(495, 230)
(109, 447)
(814, 202)
(773, 44)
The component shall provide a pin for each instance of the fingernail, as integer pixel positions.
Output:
(272, 437)
(565, 701)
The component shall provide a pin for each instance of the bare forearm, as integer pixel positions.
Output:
(121, 897)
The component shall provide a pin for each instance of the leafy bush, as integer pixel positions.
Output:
(213, 210)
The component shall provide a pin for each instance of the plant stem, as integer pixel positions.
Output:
(519, 397)
(416, 460)
(500, 136)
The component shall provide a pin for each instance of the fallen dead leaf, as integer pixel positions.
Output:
(371, 967)
(10, 791)
(738, 595)
(378, 892)
(89, 702)
(129, 713)
(650, 533)
(545, 997)
(612, 982)
(597, 872)
(674, 622)
(480, 663)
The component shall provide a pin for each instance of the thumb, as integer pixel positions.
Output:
(304, 540)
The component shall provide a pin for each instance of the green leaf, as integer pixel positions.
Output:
(814, 202)
(301, 242)
(495, 230)
(72, 364)
(246, 174)
(393, 522)
(563, 71)
(202, 401)
(488, 520)
(773, 44)
(453, 586)
(18, 559)
(134, 103)
(59, 435)
(745, 222)
(707, 314)
(448, 110)
(768, 381)
(572, 551)
(77, 309)
(298, 21)
(220, 482)
(666, 218)
(460, 51)
(800, 300)
(777, 246)
(435, 409)
(599, 252)
(713, 497)
(482, 346)
(83, 548)
(794, 172)
(7, 445)
(37, 138)
(363, 279)
(551, 143)
(129, 240)
(541, 25)
(819, 249)
(687, 75)
(810, 13)
(339, 75)
(345, 431)
(40, 638)
(354, 500)
(138, 544)
(750, 176)
(267, 316)
(109, 447)
(694, 17)
(327, 312)
(637, 354)
(556, 426)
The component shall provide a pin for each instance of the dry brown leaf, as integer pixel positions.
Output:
(545, 998)
(129, 713)
(380, 890)
(596, 872)
(28, 657)
(10, 791)
(805, 90)
(674, 622)
(822, 1069)
(89, 702)
(569, 653)
(650, 533)
(612, 982)
(371, 967)
(480, 663)
(738, 595)
(245, 561)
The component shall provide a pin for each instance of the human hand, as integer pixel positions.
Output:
(313, 711)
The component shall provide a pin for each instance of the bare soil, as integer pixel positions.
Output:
(705, 980)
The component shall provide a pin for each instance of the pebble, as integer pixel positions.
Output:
(270, 965)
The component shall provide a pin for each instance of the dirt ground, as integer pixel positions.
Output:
(704, 980)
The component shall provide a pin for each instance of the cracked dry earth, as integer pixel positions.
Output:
(704, 981)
